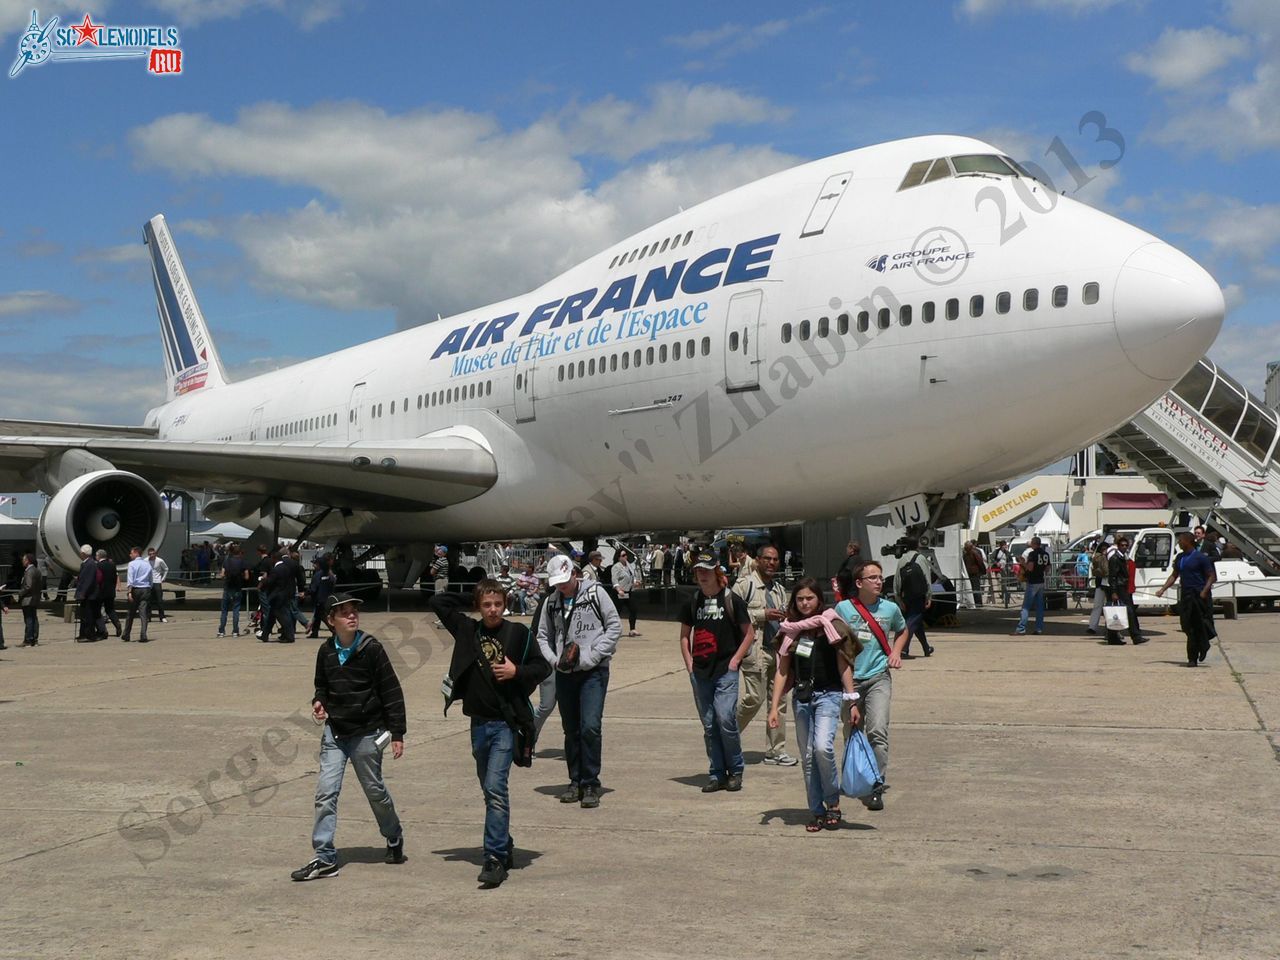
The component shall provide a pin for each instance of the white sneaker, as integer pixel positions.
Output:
(782, 760)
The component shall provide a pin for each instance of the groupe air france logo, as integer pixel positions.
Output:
(98, 41)
(938, 256)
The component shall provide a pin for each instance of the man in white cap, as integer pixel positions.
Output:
(578, 632)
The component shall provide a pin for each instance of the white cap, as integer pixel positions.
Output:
(559, 570)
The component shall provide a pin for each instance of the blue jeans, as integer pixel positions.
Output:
(230, 598)
(717, 703)
(493, 744)
(580, 696)
(366, 760)
(1034, 597)
(816, 723)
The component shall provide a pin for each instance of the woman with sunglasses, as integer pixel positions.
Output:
(815, 661)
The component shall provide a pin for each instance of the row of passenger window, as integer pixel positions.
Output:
(928, 312)
(630, 358)
(639, 253)
(436, 398)
(295, 427)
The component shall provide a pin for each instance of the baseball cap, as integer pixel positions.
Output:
(706, 560)
(559, 570)
(338, 599)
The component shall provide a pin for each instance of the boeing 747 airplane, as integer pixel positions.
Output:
(919, 317)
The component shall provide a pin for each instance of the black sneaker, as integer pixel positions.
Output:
(714, 784)
(317, 869)
(734, 783)
(395, 851)
(572, 794)
(590, 797)
(493, 873)
(874, 801)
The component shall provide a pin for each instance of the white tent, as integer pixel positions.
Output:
(1050, 524)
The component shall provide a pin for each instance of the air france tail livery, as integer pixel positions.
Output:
(888, 322)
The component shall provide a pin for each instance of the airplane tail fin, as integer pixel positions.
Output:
(191, 360)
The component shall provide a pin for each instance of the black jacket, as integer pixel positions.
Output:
(87, 581)
(281, 585)
(468, 686)
(364, 693)
(1117, 573)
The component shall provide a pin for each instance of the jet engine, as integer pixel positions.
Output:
(111, 510)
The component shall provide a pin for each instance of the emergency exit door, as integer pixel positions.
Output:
(742, 341)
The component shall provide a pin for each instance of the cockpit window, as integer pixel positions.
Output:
(915, 174)
(980, 163)
(966, 164)
(941, 168)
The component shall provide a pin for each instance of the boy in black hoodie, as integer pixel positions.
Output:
(495, 667)
(358, 698)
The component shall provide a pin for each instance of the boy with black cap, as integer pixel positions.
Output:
(715, 636)
(359, 700)
(494, 668)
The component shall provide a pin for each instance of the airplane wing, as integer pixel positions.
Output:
(56, 428)
(419, 474)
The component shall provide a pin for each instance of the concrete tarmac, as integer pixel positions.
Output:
(1050, 797)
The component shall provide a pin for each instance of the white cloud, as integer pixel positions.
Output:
(308, 13)
(78, 388)
(435, 212)
(119, 253)
(1237, 351)
(15, 17)
(1242, 115)
(677, 114)
(978, 8)
(733, 38)
(1182, 59)
(23, 302)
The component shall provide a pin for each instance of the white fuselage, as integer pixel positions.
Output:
(785, 410)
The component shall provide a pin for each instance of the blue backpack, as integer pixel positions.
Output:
(1083, 564)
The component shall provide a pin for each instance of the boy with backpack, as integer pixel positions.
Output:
(494, 668)
(911, 583)
(578, 631)
(359, 701)
(715, 636)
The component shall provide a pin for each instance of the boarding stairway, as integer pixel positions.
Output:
(1211, 446)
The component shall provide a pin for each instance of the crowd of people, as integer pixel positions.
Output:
(745, 640)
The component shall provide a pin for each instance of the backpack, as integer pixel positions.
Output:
(912, 582)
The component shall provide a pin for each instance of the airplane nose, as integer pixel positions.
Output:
(1167, 309)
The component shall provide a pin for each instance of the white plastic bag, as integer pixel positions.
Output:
(1116, 618)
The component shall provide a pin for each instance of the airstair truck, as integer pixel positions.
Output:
(1240, 585)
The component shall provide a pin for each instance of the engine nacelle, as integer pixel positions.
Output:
(111, 510)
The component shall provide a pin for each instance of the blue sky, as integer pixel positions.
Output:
(334, 170)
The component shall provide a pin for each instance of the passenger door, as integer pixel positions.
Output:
(1153, 558)
(742, 341)
(355, 412)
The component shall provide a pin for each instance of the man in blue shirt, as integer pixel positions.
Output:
(1195, 600)
(138, 576)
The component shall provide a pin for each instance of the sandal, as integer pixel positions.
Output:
(833, 818)
(814, 825)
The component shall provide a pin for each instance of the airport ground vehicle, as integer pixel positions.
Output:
(1240, 586)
